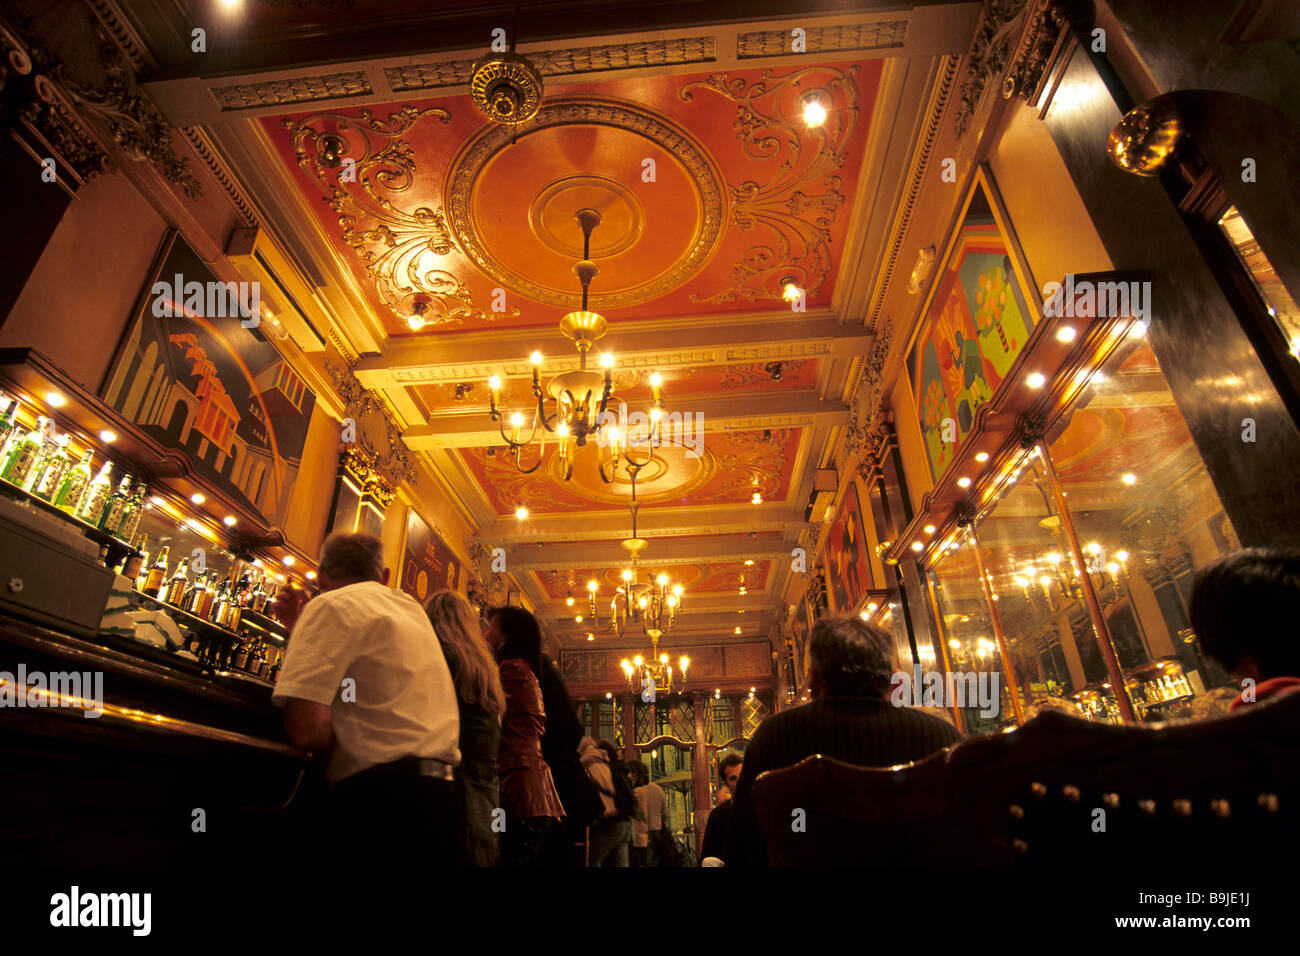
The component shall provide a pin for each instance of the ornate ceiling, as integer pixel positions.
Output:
(358, 154)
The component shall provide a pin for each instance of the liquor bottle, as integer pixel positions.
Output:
(220, 604)
(209, 594)
(240, 659)
(244, 587)
(91, 507)
(273, 672)
(194, 599)
(143, 548)
(131, 516)
(154, 582)
(50, 474)
(234, 614)
(8, 425)
(116, 506)
(73, 485)
(178, 583)
(259, 595)
(49, 445)
(257, 660)
(24, 453)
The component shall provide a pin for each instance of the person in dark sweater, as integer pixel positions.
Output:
(560, 742)
(715, 830)
(850, 718)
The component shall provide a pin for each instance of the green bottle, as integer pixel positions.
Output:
(23, 455)
(116, 507)
(131, 518)
(91, 506)
(55, 465)
(49, 446)
(73, 485)
(8, 425)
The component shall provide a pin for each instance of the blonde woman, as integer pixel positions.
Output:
(482, 702)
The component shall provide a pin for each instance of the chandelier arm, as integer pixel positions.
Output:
(515, 445)
(527, 471)
(541, 410)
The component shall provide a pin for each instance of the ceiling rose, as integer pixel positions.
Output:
(506, 88)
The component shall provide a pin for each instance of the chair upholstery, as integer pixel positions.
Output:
(1058, 790)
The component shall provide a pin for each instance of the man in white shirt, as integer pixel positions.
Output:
(364, 678)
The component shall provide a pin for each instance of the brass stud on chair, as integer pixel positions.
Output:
(1071, 793)
(1268, 802)
(1183, 808)
(1147, 806)
(1017, 811)
(1038, 789)
(1111, 800)
(1221, 808)
(1020, 846)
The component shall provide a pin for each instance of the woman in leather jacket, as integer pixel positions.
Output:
(527, 790)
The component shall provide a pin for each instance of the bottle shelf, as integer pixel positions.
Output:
(118, 550)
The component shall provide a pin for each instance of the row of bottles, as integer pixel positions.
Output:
(219, 600)
(38, 461)
(1165, 688)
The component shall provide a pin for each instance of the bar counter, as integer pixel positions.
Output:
(181, 766)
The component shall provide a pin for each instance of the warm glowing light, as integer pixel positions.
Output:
(684, 663)
(672, 600)
(654, 414)
(592, 586)
(1113, 567)
(562, 429)
(749, 562)
(662, 579)
(521, 512)
(517, 420)
(873, 606)
(791, 292)
(228, 521)
(737, 630)
(568, 601)
(955, 645)
(641, 603)
(756, 499)
(1122, 555)
(677, 589)
(197, 498)
(578, 619)
(963, 482)
(814, 113)
(917, 546)
(535, 358)
(289, 560)
(108, 436)
(1036, 380)
(1044, 580)
(627, 575)
(928, 529)
(864, 615)
(1066, 333)
(592, 637)
(55, 399)
(1138, 328)
(1129, 478)
(415, 322)
(494, 383)
(982, 457)
(607, 359)
(311, 575)
(656, 380)
(1094, 547)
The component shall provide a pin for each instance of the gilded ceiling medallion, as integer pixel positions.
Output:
(797, 206)
(622, 218)
(694, 159)
(506, 88)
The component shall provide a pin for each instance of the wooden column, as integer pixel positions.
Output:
(700, 772)
(629, 727)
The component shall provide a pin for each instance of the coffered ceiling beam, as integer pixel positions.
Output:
(474, 429)
(771, 336)
(565, 555)
(653, 522)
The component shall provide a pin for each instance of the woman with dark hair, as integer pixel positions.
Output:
(482, 702)
(527, 790)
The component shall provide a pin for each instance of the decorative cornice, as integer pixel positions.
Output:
(1015, 36)
(882, 34)
(563, 62)
(286, 92)
(867, 396)
(201, 143)
(385, 455)
(919, 167)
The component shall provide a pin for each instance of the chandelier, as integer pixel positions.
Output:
(573, 405)
(649, 677)
(653, 604)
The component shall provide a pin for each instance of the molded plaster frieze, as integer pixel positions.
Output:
(379, 438)
(878, 35)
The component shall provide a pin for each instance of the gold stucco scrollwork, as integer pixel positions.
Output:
(796, 208)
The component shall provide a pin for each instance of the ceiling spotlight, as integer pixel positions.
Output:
(1036, 380)
(982, 457)
(289, 560)
(107, 436)
(917, 546)
(814, 108)
(1138, 328)
(197, 498)
(928, 529)
(228, 521)
(963, 482)
(311, 575)
(1066, 333)
(55, 399)
(790, 290)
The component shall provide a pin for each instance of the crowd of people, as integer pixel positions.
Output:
(462, 739)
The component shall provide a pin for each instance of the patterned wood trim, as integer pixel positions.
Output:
(201, 143)
(880, 35)
(299, 89)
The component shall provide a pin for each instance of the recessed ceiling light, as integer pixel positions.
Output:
(864, 615)
(737, 630)
(1129, 478)
(917, 546)
(578, 619)
(963, 482)
(1036, 380)
(55, 399)
(289, 560)
(108, 436)
(982, 457)
(748, 562)
(929, 529)
(1138, 328)
(229, 521)
(1066, 333)
(197, 498)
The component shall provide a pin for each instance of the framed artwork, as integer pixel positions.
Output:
(195, 373)
(428, 565)
(976, 321)
(848, 569)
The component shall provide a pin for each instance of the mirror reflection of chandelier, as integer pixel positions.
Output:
(572, 407)
(656, 673)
